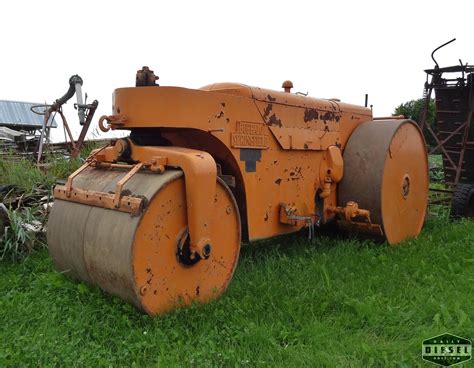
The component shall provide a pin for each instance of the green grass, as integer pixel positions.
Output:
(26, 176)
(330, 303)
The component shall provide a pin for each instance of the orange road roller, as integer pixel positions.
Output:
(158, 218)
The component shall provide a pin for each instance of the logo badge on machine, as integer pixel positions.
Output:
(249, 135)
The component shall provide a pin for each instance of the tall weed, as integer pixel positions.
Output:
(18, 239)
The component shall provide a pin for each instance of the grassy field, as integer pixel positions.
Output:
(329, 303)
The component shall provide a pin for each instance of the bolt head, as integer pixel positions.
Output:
(206, 250)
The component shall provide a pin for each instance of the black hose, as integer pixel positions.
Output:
(436, 49)
(70, 92)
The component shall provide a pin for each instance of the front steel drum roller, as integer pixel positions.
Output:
(144, 259)
(386, 172)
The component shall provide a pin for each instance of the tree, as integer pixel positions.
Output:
(414, 109)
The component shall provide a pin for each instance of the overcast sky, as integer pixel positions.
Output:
(340, 49)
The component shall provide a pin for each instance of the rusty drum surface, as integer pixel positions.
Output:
(136, 257)
(385, 171)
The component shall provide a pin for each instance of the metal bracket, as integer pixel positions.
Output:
(200, 173)
(350, 212)
(71, 177)
(128, 204)
(288, 216)
(132, 205)
(120, 184)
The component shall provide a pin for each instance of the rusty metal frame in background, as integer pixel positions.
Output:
(85, 113)
(454, 156)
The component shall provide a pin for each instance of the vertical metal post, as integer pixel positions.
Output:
(80, 104)
(464, 141)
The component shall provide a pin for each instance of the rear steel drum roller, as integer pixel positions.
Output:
(386, 172)
(143, 259)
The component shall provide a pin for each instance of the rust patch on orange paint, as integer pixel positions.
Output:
(275, 121)
(310, 114)
(330, 116)
(267, 111)
(296, 173)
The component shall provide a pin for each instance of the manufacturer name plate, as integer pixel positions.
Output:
(249, 135)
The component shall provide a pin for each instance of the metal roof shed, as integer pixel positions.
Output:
(17, 115)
